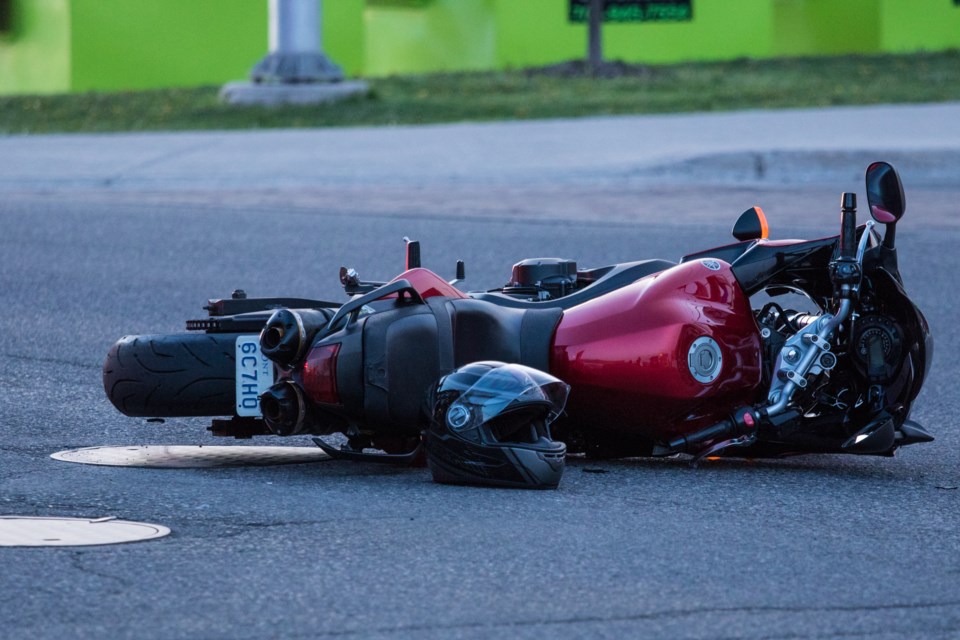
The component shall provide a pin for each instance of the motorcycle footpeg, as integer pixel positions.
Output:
(397, 459)
(742, 441)
(663, 451)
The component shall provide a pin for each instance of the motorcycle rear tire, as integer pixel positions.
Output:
(183, 374)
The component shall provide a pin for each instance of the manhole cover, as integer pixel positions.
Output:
(25, 531)
(182, 457)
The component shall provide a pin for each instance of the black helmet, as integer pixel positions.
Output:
(489, 424)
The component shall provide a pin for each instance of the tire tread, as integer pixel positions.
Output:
(184, 374)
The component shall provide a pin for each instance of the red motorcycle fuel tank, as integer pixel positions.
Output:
(666, 355)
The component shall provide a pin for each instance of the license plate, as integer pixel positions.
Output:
(254, 375)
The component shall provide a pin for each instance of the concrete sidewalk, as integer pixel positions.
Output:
(777, 147)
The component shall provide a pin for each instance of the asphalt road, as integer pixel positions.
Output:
(813, 547)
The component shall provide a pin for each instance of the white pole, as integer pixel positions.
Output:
(295, 71)
(294, 26)
(296, 55)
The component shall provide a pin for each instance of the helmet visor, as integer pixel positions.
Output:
(507, 389)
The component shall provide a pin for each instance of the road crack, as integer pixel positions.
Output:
(76, 560)
(173, 154)
(69, 363)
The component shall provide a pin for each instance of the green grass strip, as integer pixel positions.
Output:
(520, 94)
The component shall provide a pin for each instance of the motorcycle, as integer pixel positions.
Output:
(701, 357)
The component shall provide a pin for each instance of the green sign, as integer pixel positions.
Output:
(636, 10)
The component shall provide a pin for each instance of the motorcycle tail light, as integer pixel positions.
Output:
(320, 374)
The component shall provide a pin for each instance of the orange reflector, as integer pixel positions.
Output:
(764, 229)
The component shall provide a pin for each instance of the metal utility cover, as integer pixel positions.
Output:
(186, 457)
(26, 531)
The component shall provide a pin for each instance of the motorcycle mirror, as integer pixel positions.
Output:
(885, 193)
(751, 225)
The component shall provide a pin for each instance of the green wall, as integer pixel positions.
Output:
(35, 55)
(825, 27)
(720, 30)
(536, 32)
(915, 25)
(430, 35)
(135, 44)
(344, 34)
(81, 45)
(434, 35)
(474, 34)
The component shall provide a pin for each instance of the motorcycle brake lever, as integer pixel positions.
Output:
(864, 239)
(743, 441)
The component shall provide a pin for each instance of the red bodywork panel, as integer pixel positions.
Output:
(428, 284)
(624, 354)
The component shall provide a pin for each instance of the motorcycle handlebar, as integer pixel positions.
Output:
(683, 444)
(848, 226)
(743, 421)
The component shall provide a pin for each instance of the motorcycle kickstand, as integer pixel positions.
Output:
(397, 459)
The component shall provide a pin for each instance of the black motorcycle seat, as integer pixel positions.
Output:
(485, 332)
(612, 278)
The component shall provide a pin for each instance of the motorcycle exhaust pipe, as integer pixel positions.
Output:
(288, 333)
(284, 409)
